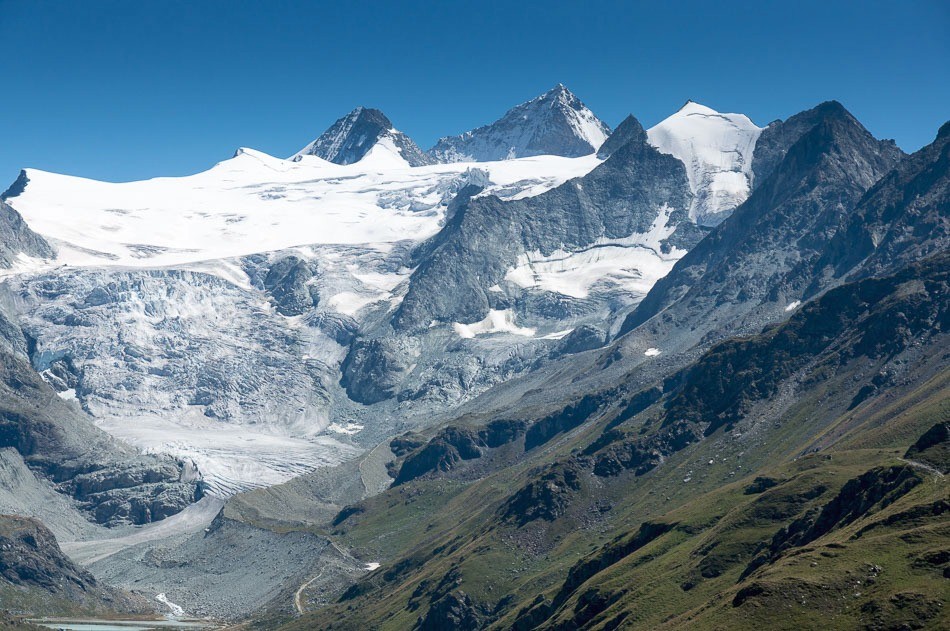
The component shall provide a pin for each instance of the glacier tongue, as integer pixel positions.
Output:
(717, 151)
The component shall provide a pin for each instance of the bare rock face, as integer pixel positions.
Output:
(31, 560)
(629, 130)
(287, 281)
(18, 238)
(757, 256)
(372, 369)
(624, 196)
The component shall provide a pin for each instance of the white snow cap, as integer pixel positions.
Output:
(717, 151)
(255, 202)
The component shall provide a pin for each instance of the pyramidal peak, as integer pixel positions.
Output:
(354, 136)
(554, 123)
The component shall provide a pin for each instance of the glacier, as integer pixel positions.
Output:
(210, 316)
(157, 301)
(717, 151)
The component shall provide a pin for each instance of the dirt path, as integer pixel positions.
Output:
(299, 594)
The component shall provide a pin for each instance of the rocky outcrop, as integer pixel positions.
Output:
(591, 602)
(450, 446)
(452, 612)
(17, 237)
(905, 217)
(583, 338)
(548, 497)
(933, 448)
(373, 369)
(779, 136)
(872, 490)
(629, 130)
(32, 561)
(288, 282)
(636, 188)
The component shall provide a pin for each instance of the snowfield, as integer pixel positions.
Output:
(632, 264)
(717, 151)
(256, 203)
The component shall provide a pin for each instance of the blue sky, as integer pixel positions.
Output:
(121, 90)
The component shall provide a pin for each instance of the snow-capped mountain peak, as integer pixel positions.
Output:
(554, 123)
(717, 151)
(692, 107)
(358, 134)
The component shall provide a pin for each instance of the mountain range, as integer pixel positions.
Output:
(545, 375)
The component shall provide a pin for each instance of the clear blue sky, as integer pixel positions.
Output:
(119, 89)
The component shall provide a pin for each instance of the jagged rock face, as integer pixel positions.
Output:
(753, 259)
(111, 482)
(579, 254)
(452, 612)
(779, 136)
(555, 123)
(637, 191)
(288, 282)
(905, 217)
(584, 338)
(350, 138)
(19, 239)
(373, 369)
(30, 559)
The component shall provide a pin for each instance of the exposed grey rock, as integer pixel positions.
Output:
(350, 138)
(288, 282)
(32, 561)
(373, 369)
(623, 196)
(629, 130)
(452, 612)
(17, 238)
(748, 269)
(779, 136)
(584, 338)
(555, 123)
(903, 218)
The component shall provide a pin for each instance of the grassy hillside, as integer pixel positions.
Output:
(688, 504)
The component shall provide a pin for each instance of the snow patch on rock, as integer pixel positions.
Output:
(497, 321)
